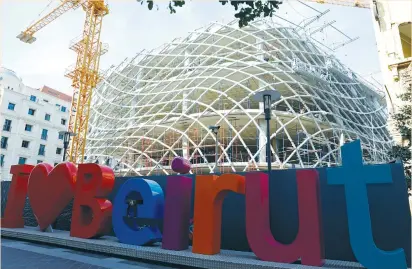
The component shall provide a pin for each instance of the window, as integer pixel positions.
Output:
(25, 144)
(32, 111)
(59, 151)
(63, 121)
(11, 106)
(405, 30)
(1, 160)
(47, 117)
(4, 141)
(61, 136)
(63, 109)
(39, 161)
(33, 98)
(44, 134)
(45, 100)
(56, 164)
(22, 160)
(28, 127)
(7, 125)
(42, 149)
(57, 105)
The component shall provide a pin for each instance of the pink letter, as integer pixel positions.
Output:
(308, 244)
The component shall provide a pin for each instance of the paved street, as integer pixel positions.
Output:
(27, 255)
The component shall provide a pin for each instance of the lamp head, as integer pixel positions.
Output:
(66, 135)
(267, 97)
(214, 128)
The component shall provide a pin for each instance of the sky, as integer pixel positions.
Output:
(130, 27)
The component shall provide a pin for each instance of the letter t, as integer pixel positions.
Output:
(354, 176)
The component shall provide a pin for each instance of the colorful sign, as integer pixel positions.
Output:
(51, 189)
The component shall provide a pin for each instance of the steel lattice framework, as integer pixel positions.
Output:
(159, 104)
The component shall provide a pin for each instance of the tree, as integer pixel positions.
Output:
(403, 125)
(247, 10)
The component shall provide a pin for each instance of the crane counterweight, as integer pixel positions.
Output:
(26, 38)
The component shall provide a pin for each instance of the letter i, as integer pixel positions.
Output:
(177, 213)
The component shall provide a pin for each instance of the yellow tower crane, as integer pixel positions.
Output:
(85, 74)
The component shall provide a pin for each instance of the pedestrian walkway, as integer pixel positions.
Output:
(26, 255)
(108, 245)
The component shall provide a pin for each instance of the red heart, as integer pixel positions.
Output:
(50, 191)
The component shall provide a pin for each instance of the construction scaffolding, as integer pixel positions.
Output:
(171, 96)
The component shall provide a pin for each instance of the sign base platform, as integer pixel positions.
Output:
(109, 245)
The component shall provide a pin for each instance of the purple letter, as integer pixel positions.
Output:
(177, 213)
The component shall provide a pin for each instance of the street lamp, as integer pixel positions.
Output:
(215, 130)
(267, 96)
(66, 139)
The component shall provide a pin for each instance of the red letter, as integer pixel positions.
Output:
(91, 216)
(16, 198)
(209, 195)
(50, 191)
(308, 244)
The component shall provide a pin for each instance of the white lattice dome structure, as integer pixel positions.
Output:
(160, 104)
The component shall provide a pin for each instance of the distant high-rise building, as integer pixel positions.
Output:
(30, 123)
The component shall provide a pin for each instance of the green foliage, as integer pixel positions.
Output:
(403, 117)
(247, 11)
(403, 121)
(403, 153)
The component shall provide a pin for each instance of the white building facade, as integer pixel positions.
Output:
(31, 120)
(393, 27)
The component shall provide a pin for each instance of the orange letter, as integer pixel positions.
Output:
(209, 194)
(16, 198)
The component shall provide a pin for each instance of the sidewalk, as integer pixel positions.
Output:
(110, 246)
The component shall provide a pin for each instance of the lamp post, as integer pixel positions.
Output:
(66, 140)
(267, 97)
(215, 130)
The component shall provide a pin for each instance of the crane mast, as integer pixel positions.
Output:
(85, 76)
(85, 73)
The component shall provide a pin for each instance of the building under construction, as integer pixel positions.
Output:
(160, 104)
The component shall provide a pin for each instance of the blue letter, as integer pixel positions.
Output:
(138, 207)
(354, 176)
